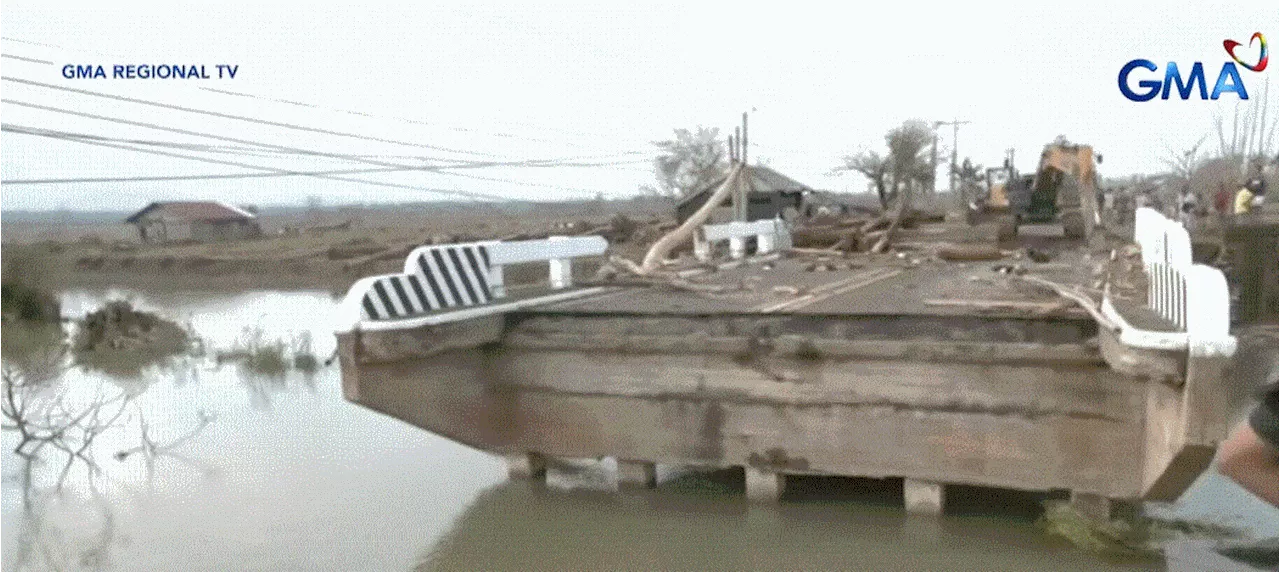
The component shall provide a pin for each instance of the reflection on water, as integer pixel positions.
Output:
(692, 523)
(221, 468)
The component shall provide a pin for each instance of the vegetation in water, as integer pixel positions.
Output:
(53, 421)
(1136, 536)
(257, 354)
(304, 357)
(121, 340)
(22, 296)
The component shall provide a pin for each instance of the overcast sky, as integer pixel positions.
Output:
(592, 83)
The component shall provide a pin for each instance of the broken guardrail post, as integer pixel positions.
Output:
(561, 268)
(770, 235)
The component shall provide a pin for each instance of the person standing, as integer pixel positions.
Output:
(1248, 196)
(1187, 210)
(1222, 200)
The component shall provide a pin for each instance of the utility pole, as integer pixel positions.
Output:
(933, 178)
(740, 193)
(955, 136)
(733, 150)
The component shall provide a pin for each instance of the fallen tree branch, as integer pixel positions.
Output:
(895, 221)
(1071, 294)
(663, 247)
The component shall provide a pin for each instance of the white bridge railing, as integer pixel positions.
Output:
(1192, 297)
(445, 277)
(771, 236)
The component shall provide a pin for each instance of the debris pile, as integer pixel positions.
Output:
(1125, 276)
(858, 232)
(122, 340)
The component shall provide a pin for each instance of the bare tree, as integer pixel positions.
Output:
(907, 165)
(692, 161)
(1251, 134)
(875, 168)
(57, 422)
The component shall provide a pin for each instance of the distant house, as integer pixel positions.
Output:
(200, 221)
(770, 195)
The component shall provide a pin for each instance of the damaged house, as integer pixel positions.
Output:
(199, 221)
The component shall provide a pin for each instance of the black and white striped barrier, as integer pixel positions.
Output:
(771, 235)
(449, 282)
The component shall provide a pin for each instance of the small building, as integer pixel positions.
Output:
(770, 194)
(199, 221)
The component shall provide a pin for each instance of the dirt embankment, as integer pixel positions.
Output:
(325, 257)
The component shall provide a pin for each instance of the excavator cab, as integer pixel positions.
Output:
(1063, 192)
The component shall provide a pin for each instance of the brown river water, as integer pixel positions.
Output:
(289, 476)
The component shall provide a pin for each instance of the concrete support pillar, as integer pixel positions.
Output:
(923, 497)
(637, 474)
(526, 466)
(763, 486)
(737, 247)
(1102, 509)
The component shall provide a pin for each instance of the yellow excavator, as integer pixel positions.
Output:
(1062, 192)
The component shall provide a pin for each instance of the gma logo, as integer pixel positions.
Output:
(1148, 89)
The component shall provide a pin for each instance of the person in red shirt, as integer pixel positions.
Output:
(1222, 200)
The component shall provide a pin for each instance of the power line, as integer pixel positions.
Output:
(262, 168)
(413, 121)
(454, 163)
(360, 113)
(98, 140)
(207, 135)
(187, 177)
(40, 44)
(526, 183)
(25, 59)
(241, 117)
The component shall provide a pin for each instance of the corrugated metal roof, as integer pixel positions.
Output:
(760, 179)
(208, 211)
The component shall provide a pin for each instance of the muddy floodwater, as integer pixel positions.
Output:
(289, 476)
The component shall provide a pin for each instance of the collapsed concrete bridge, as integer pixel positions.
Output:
(854, 369)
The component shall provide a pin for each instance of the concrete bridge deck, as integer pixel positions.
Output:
(854, 285)
(904, 366)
